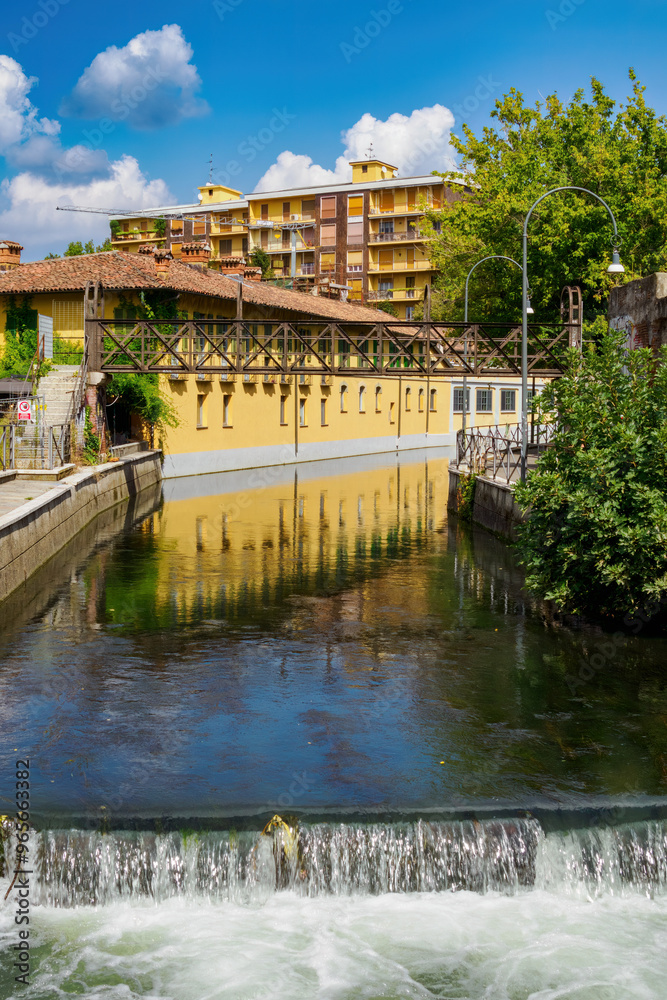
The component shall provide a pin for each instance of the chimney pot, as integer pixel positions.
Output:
(10, 255)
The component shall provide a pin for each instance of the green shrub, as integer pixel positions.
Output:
(595, 541)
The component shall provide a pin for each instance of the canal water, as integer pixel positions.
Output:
(473, 792)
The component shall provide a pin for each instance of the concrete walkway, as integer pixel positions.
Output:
(15, 492)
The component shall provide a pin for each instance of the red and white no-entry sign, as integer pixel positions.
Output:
(24, 409)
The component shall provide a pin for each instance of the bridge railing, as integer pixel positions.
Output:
(249, 349)
(495, 452)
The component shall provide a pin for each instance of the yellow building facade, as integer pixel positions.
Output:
(363, 240)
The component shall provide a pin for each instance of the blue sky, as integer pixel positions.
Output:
(126, 109)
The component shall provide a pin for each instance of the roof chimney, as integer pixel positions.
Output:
(198, 253)
(10, 255)
(232, 265)
(252, 273)
(162, 259)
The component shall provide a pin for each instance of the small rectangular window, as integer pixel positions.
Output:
(355, 231)
(323, 412)
(226, 411)
(328, 235)
(176, 226)
(201, 410)
(508, 400)
(264, 211)
(302, 412)
(225, 248)
(355, 204)
(433, 400)
(328, 207)
(355, 260)
(199, 227)
(420, 399)
(458, 400)
(484, 400)
(287, 208)
(327, 262)
(392, 419)
(282, 409)
(308, 208)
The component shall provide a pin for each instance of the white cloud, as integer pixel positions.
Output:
(18, 117)
(32, 219)
(416, 144)
(150, 82)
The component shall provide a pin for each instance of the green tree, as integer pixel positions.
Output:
(619, 153)
(76, 248)
(260, 258)
(595, 541)
(388, 307)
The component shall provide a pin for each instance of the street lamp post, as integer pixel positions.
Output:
(614, 268)
(494, 256)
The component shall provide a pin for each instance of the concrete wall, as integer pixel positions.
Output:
(32, 533)
(494, 505)
(640, 309)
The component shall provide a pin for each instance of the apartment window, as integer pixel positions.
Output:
(508, 400)
(458, 400)
(378, 393)
(437, 226)
(355, 204)
(410, 281)
(176, 226)
(364, 169)
(201, 410)
(287, 209)
(386, 225)
(421, 401)
(302, 411)
(362, 399)
(433, 401)
(343, 399)
(357, 289)
(408, 399)
(226, 411)
(355, 231)
(308, 208)
(391, 413)
(225, 248)
(328, 235)
(282, 409)
(327, 262)
(386, 289)
(328, 207)
(355, 260)
(409, 312)
(323, 412)
(264, 212)
(199, 227)
(484, 400)
(386, 201)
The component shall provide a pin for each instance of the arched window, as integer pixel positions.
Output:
(362, 399)
(434, 399)
(408, 398)
(378, 393)
(421, 400)
(343, 399)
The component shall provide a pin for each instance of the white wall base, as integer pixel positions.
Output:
(199, 463)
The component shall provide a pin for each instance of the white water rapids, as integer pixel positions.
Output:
(495, 910)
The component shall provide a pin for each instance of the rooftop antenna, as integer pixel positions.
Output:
(370, 152)
(210, 171)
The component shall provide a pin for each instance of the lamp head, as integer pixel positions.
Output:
(615, 267)
(529, 309)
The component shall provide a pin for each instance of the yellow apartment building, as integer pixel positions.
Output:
(363, 239)
(231, 420)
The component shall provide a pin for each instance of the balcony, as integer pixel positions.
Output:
(411, 236)
(395, 294)
(376, 210)
(278, 246)
(141, 235)
(279, 219)
(228, 229)
(401, 265)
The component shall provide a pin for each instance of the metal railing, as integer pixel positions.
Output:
(399, 237)
(495, 452)
(59, 445)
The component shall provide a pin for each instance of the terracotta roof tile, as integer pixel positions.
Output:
(118, 270)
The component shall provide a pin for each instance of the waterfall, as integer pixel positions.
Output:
(507, 856)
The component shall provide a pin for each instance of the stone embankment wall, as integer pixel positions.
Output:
(640, 310)
(32, 533)
(494, 506)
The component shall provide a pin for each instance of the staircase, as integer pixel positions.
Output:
(56, 390)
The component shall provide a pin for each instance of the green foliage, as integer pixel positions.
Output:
(160, 227)
(465, 495)
(67, 352)
(20, 345)
(91, 442)
(619, 153)
(76, 248)
(260, 258)
(114, 228)
(52, 256)
(388, 307)
(596, 538)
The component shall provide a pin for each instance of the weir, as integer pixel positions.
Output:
(80, 868)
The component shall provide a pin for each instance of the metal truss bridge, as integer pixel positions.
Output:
(251, 349)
